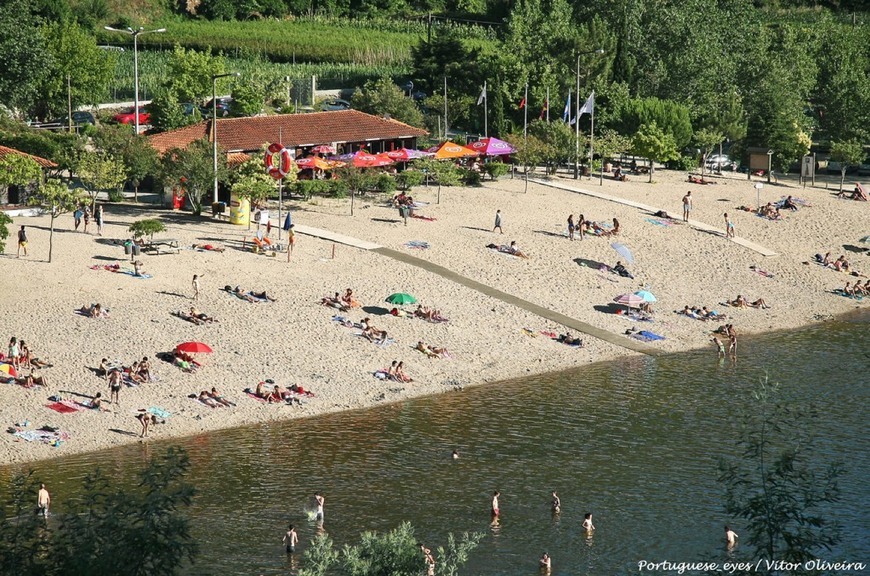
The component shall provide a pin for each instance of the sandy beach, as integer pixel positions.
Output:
(295, 340)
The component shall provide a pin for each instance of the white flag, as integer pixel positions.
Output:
(588, 106)
(482, 96)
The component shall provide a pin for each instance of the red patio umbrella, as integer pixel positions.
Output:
(194, 347)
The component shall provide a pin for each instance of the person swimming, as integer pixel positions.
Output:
(557, 503)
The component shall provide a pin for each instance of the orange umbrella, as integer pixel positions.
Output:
(450, 149)
(313, 162)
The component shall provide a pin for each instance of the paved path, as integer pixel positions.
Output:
(567, 321)
(693, 223)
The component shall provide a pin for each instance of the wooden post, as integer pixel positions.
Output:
(333, 250)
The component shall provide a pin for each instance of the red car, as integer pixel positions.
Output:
(127, 117)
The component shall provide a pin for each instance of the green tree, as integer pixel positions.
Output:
(5, 221)
(706, 139)
(100, 171)
(59, 200)
(248, 98)
(149, 226)
(610, 144)
(23, 548)
(847, 152)
(190, 74)
(167, 113)
(772, 485)
(382, 97)
(75, 55)
(653, 143)
(251, 181)
(136, 154)
(671, 117)
(192, 170)
(557, 143)
(17, 170)
(24, 59)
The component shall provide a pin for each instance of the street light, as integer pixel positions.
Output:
(135, 34)
(577, 115)
(214, 78)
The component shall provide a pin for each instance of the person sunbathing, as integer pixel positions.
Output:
(599, 230)
(622, 271)
(848, 290)
(208, 247)
(515, 250)
(841, 264)
(261, 390)
(739, 302)
(218, 398)
(275, 395)
(423, 313)
(35, 379)
(349, 300)
(96, 402)
(615, 230)
(94, 311)
(145, 369)
(263, 296)
(134, 373)
(376, 336)
(826, 261)
(425, 349)
(334, 302)
(207, 400)
(569, 340)
(400, 373)
(789, 204)
(137, 268)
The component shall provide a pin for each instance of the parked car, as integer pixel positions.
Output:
(223, 107)
(79, 118)
(128, 116)
(720, 162)
(335, 104)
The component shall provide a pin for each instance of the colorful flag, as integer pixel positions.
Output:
(482, 96)
(544, 109)
(522, 103)
(567, 112)
(588, 106)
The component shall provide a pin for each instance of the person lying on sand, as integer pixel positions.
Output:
(741, 302)
(94, 311)
(200, 316)
(515, 250)
(208, 247)
(334, 302)
(371, 333)
(569, 340)
(218, 398)
(622, 271)
(207, 400)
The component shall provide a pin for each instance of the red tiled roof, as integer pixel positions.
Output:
(236, 158)
(43, 162)
(249, 134)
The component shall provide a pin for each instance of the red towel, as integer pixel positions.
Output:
(62, 408)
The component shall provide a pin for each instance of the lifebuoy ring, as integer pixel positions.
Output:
(284, 162)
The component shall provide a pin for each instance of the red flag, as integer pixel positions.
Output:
(544, 109)
(522, 103)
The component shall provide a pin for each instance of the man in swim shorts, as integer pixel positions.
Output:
(290, 539)
(22, 242)
(687, 205)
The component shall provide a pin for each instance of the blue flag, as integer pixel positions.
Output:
(567, 112)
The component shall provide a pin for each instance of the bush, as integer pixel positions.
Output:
(409, 178)
(496, 169)
(115, 196)
(682, 163)
(338, 188)
(150, 226)
(471, 177)
(309, 188)
(385, 183)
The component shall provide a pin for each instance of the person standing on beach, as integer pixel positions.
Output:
(497, 222)
(43, 501)
(687, 205)
(22, 242)
(77, 217)
(729, 227)
(580, 227)
(730, 537)
(195, 287)
(98, 216)
(87, 218)
(114, 386)
(290, 539)
(291, 237)
(720, 348)
(570, 227)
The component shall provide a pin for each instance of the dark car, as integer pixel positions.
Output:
(79, 118)
(334, 104)
(223, 107)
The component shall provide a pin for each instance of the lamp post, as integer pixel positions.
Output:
(214, 79)
(577, 114)
(135, 34)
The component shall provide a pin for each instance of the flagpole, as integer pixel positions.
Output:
(577, 126)
(592, 137)
(485, 111)
(445, 108)
(280, 185)
(526, 134)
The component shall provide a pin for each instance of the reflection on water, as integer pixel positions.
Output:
(636, 442)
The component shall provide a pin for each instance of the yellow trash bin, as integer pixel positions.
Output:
(240, 210)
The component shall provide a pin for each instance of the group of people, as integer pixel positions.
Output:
(857, 289)
(582, 226)
(770, 211)
(396, 372)
(213, 399)
(277, 395)
(343, 303)
(701, 313)
(82, 213)
(730, 333)
(139, 372)
(741, 302)
(402, 200)
(21, 358)
(429, 314)
(94, 311)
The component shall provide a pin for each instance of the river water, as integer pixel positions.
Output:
(636, 442)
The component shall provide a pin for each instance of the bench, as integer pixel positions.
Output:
(170, 244)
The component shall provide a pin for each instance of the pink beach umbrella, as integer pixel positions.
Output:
(630, 300)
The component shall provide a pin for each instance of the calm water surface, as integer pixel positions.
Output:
(636, 442)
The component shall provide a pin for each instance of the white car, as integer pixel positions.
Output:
(720, 162)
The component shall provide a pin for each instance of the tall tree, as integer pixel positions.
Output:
(610, 144)
(136, 154)
(167, 112)
(190, 74)
(100, 171)
(191, 170)
(59, 200)
(382, 97)
(847, 152)
(706, 140)
(653, 143)
(24, 58)
(75, 55)
(773, 485)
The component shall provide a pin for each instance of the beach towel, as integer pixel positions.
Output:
(571, 344)
(345, 322)
(44, 436)
(840, 292)
(647, 336)
(383, 344)
(658, 222)
(417, 244)
(504, 250)
(132, 273)
(159, 412)
(62, 407)
(255, 397)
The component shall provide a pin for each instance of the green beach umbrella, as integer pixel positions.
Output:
(401, 298)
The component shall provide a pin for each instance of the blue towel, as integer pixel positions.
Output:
(650, 335)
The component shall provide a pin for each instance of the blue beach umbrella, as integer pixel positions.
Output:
(646, 295)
